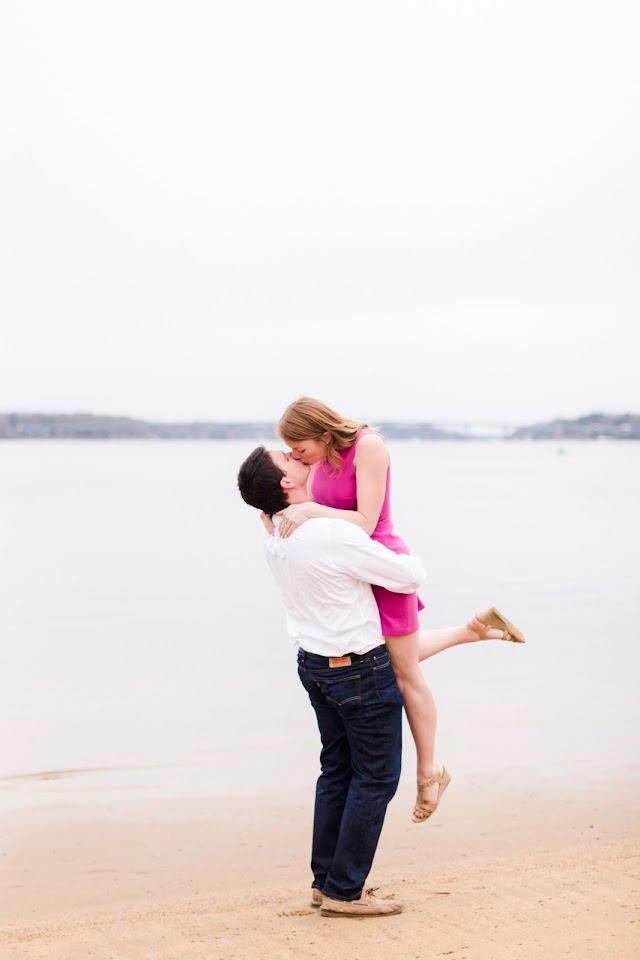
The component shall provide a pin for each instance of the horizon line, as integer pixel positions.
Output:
(449, 422)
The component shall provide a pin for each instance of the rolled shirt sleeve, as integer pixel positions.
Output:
(358, 555)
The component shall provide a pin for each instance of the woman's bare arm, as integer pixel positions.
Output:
(371, 463)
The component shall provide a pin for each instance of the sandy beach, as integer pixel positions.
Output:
(178, 825)
(550, 872)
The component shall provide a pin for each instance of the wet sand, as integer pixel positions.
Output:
(548, 872)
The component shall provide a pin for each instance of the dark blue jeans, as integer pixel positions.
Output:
(359, 713)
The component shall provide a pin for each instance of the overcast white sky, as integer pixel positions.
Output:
(416, 210)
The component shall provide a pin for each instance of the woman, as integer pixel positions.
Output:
(349, 480)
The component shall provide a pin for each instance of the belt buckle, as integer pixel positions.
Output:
(340, 661)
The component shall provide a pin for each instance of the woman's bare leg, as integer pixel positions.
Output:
(406, 653)
(419, 705)
(431, 642)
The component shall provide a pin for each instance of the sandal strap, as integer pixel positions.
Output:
(430, 783)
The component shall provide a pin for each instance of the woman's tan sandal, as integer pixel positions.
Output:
(493, 618)
(429, 807)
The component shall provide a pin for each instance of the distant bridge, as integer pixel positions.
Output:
(465, 428)
(496, 428)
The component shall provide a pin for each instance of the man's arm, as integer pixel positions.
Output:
(363, 558)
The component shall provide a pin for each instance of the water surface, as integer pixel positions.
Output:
(143, 640)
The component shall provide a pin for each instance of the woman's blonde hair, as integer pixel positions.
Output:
(308, 419)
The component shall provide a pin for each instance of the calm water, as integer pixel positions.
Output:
(143, 640)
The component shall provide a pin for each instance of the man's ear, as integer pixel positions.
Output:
(286, 484)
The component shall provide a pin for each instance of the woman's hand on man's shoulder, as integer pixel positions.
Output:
(268, 523)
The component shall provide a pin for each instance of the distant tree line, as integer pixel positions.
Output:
(86, 426)
(624, 426)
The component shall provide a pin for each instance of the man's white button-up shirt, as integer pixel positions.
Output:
(324, 571)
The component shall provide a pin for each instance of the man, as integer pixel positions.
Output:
(324, 571)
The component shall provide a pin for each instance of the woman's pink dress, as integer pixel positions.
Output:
(398, 611)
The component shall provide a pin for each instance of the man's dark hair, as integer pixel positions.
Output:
(259, 482)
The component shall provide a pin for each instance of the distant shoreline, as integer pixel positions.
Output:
(86, 426)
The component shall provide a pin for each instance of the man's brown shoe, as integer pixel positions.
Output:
(366, 906)
(316, 897)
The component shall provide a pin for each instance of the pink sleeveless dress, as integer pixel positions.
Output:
(398, 611)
